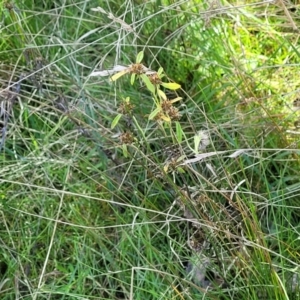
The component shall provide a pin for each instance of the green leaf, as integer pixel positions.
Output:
(178, 132)
(197, 140)
(166, 118)
(161, 94)
(148, 83)
(125, 151)
(166, 168)
(132, 78)
(171, 85)
(160, 71)
(176, 99)
(118, 75)
(116, 120)
(154, 113)
(180, 170)
(140, 57)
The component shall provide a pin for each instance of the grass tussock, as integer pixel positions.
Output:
(149, 150)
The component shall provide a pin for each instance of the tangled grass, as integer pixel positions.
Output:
(175, 175)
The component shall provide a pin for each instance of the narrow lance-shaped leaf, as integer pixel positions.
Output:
(166, 118)
(178, 132)
(148, 83)
(161, 94)
(132, 79)
(154, 113)
(160, 71)
(118, 75)
(140, 57)
(125, 151)
(197, 140)
(166, 168)
(180, 170)
(171, 85)
(115, 121)
(176, 99)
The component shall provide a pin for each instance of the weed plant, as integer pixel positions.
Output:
(149, 150)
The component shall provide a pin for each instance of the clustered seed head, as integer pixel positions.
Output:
(125, 108)
(137, 69)
(174, 113)
(170, 110)
(172, 164)
(126, 138)
(154, 78)
(8, 5)
(166, 105)
(296, 103)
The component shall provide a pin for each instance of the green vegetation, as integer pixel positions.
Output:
(149, 150)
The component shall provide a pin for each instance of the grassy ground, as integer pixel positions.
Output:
(112, 189)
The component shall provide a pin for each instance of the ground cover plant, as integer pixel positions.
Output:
(149, 150)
